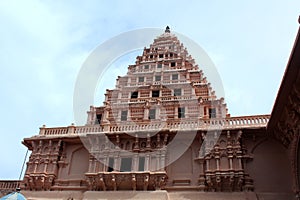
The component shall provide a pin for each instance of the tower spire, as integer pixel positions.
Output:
(167, 29)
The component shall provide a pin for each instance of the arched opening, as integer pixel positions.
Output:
(270, 168)
(79, 163)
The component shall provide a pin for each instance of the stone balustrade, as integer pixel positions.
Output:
(169, 82)
(9, 185)
(151, 99)
(255, 121)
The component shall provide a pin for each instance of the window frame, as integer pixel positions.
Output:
(122, 166)
(123, 117)
(110, 166)
(141, 166)
(141, 79)
(151, 114)
(134, 95)
(181, 112)
(98, 118)
(177, 92)
(155, 92)
(212, 113)
(157, 76)
(175, 77)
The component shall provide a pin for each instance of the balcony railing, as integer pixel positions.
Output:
(255, 121)
(9, 185)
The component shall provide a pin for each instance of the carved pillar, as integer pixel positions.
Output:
(105, 114)
(157, 161)
(45, 166)
(163, 160)
(165, 140)
(147, 162)
(136, 143)
(91, 115)
(207, 164)
(133, 182)
(158, 141)
(116, 162)
(118, 141)
(91, 170)
(135, 162)
(176, 113)
(201, 176)
(146, 112)
(148, 146)
(217, 157)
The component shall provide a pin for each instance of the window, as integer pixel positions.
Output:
(126, 164)
(152, 114)
(141, 163)
(159, 65)
(171, 54)
(173, 64)
(98, 120)
(174, 76)
(110, 167)
(141, 79)
(212, 113)
(151, 56)
(161, 55)
(155, 93)
(146, 67)
(157, 78)
(134, 95)
(181, 112)
(177, 92)
(124, 115)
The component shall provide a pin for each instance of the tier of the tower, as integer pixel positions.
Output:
(163, 84)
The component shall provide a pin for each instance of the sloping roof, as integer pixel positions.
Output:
(289, 80)
(14, 196)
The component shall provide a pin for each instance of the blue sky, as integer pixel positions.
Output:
(44, 43)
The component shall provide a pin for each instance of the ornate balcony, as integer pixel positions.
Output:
(126, 181)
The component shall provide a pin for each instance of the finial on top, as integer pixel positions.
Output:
(167, 29)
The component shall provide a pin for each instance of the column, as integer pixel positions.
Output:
(146, 112)
(158, 161)
(207, 165)
(105, 114)
(176, 113)
(116, 163)
(148, 146)
(147, 162)
(230, 162)
(163, 161)
(91, 164)
(135, 162)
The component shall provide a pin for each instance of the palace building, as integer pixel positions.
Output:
(162, 133)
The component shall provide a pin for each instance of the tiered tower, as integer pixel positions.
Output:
(164, 84)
